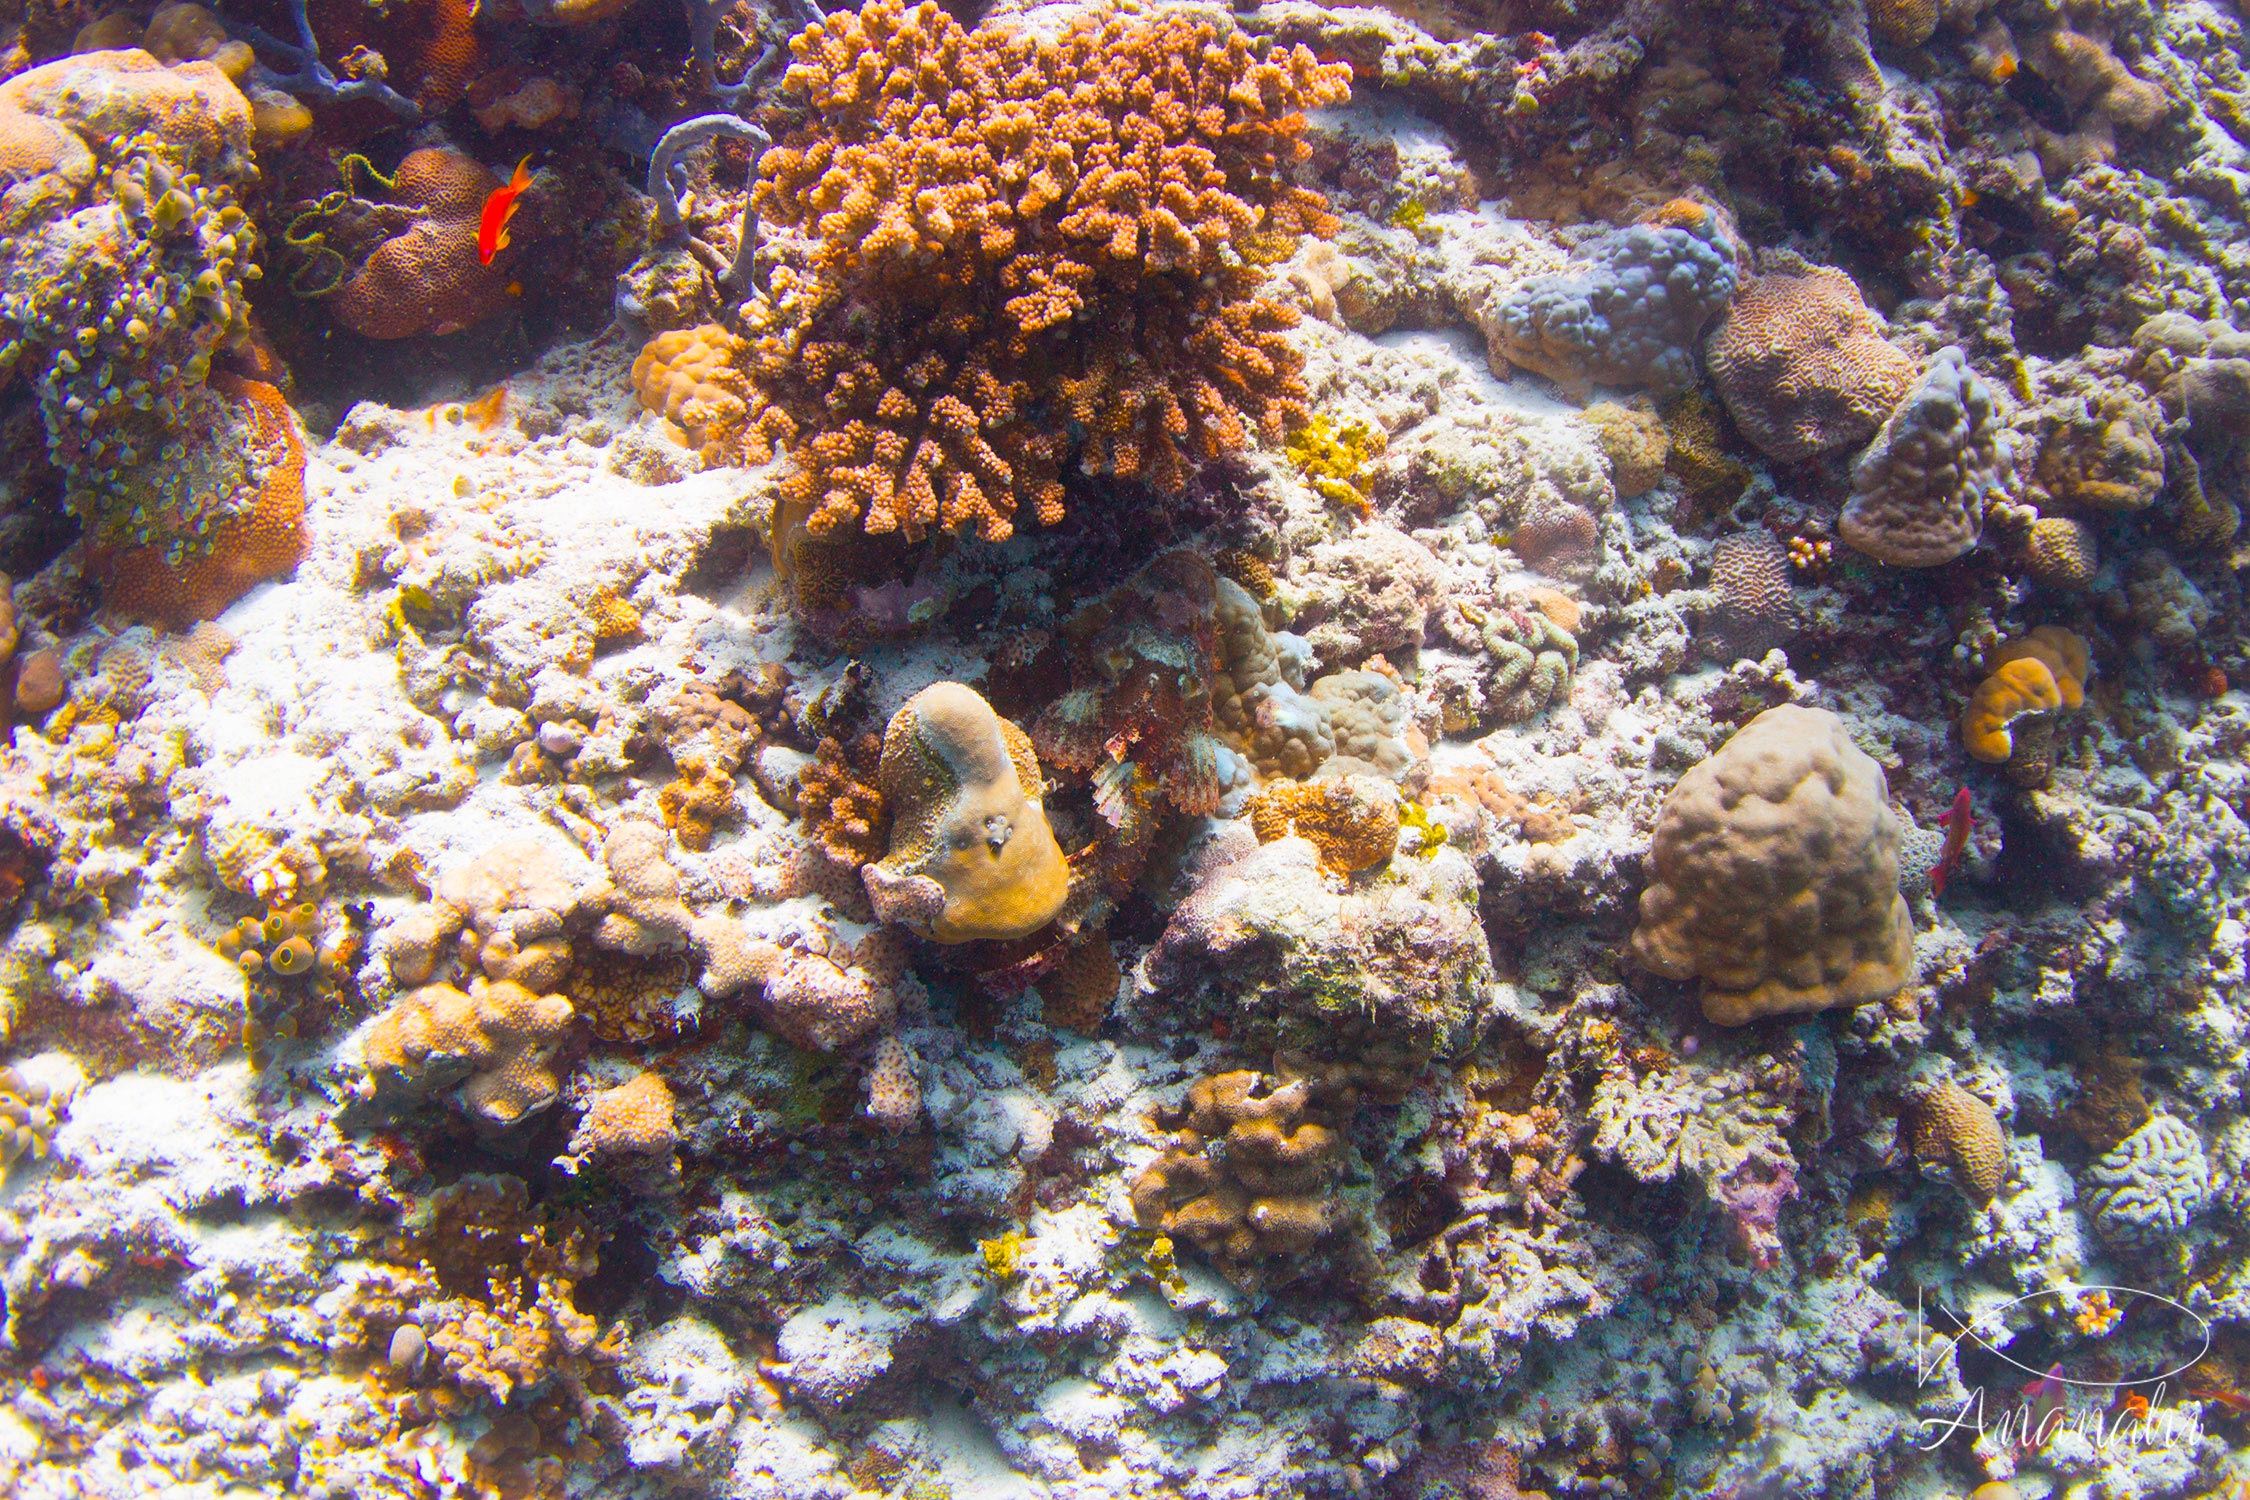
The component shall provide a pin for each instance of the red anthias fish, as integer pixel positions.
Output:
(492, 230)
(1956, 820)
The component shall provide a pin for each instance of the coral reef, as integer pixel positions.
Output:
(1775, 875)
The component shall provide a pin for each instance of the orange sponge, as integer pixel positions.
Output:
(2044, 671)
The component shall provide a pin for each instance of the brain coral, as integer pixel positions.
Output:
(1775, 874)
(426, 278)
(1955, 1128)
(2152, 1184)
(2044, 671)
(1803, 365)
(1632, 316)
(1919, 491)
(122, 261)
(971, 853)
(691, 375)
(999, 217)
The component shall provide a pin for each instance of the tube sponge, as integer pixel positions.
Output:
(1775, 866)
(971, 853)
(2044, 671)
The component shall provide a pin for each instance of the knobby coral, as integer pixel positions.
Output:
(1919, 491)
(1017, 237)
(1775, 874)
(1245, 1175)
(971, 854)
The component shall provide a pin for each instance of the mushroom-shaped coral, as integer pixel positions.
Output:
(971, 854)
(1775, 874)
(1803, 365)
(1955, 1129)
(427, 278)
(2045, 671)
(499, 1035)
(1245, 1175)
(1919, 491)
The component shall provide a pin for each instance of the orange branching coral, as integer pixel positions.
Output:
(693, 805)
(1000, 215)
(1352, 820)
(262, 539)
(839, 805)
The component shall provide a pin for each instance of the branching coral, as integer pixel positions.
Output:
(838, 804)
(1774, 874)
(998, 216)
(2045, 671)
(1245, 1174)
(1803, 364)
(971, 854)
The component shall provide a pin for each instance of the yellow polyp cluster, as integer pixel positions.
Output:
(1334, 460)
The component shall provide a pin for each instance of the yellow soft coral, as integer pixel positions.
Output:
(2044, 671)
(971, 853)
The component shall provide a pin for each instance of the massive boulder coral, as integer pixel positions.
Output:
(2151, 1185)
(1919, 491)
(1803, 365)
(1774, 874)
(1393, 971)
(123, 259)
(971, 854)
(497, 1041)
(1016, 236)
(1633, 315)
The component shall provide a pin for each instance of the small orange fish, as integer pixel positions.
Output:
(492, 232)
